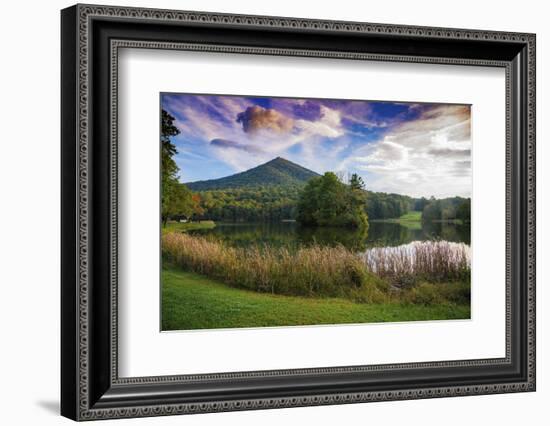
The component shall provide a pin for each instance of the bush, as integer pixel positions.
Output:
(424, 294)
(458, 293)
(435, 294)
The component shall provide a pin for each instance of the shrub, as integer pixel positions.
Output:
(435, 294)
(424, 294)
(458, 293)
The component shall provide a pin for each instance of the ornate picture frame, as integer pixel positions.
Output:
(91, 37)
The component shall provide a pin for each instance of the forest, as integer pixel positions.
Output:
(276, 203)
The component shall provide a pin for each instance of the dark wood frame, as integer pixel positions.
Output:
(91, 37)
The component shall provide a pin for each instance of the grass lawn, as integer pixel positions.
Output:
(188, 226)
(412, 216)
(412, 220)
(191, 301)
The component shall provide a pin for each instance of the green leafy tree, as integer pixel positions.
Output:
(432, 211)
(381, 205)
(464, 211)
(309, 203)
(250, 204)
(326, 201)
(168, 149)
(177, 201)
(420, 203)
(356, 182)
(447, 210)
(356, 202)
(176, 198)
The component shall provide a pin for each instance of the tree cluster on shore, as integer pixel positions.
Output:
(327, 201)
(447, 210)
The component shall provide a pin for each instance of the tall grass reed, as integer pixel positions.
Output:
(408, 273)
(433, 261)
(309, 271)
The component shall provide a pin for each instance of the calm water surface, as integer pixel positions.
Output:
(292, 235)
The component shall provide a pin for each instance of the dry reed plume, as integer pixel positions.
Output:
(329, 271)
(434, 261)
(309, 271)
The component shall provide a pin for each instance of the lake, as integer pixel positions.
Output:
(292, 235)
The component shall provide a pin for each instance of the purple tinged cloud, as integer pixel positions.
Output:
(226, 143)
(257, 118)
(308, 110)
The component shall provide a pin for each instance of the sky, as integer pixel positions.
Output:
(415, 149)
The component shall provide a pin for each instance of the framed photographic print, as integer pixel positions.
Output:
(263, 212)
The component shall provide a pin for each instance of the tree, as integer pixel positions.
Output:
(309, 203)
(381, 205)
(196, 202)
(176, 198)
(432, 211)
(356, 182)
(356, 201)
(169, 168)
(447, 210)
(464, 211)
(420, 203)
(326, 201)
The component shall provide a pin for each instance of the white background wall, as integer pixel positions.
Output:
(29, 212)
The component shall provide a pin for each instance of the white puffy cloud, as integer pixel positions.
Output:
(424, 157)
(328, 125)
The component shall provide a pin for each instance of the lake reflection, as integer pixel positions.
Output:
(292, 235)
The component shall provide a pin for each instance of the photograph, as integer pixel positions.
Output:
(286, 211)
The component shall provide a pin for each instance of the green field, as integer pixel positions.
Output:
(191, 301)
(412, 216)
(411, 220)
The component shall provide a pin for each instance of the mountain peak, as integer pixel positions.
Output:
(278, 160)
(276, 172)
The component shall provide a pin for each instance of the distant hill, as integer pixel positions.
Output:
(277, 172)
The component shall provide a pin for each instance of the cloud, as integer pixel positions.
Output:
(237, 155)
(450, 153)
(462, 168)
(388, 152)
(328, 125)
(363, 114)
(257, 118)
(307, 110)
(429, 155)
(204, 117)
(226, 143)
